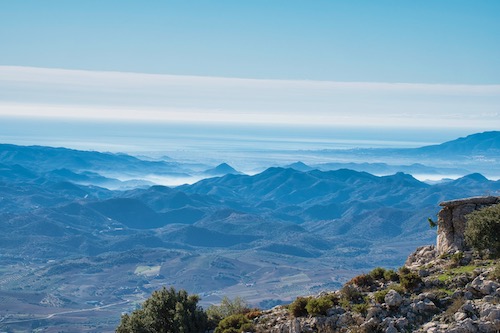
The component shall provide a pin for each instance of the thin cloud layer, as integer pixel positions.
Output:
(115, 96)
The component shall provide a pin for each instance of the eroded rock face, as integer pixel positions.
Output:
(422, 256)
(452, 221)
(448, 300)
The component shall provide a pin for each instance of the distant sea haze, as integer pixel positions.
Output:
(178, 138)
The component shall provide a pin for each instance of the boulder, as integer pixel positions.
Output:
(483, 286)
(393, 299)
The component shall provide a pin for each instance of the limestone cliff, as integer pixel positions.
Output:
(452, 221)
(443, 289)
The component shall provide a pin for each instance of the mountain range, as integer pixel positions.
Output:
(68, 244)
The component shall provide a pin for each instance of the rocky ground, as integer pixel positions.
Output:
(457, 292)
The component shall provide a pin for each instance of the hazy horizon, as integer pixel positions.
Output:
(143, 113)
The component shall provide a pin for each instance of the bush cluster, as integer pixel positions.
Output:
(408, 279)
(378, 273)
(364, 281)
(298, 307)
(379, 296)
(319, 306)
(166, 311)
(235, 323)
(482, 231)
(171, 311)
(231, 315)
(226, 308)
(351, 294)
(391, 275)
(303, 306)
(351, 298)
(368, 281)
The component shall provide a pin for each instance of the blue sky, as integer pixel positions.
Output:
(379, 65)
(426, 41)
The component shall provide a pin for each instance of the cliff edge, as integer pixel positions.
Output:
(452, 221)
(443, 288)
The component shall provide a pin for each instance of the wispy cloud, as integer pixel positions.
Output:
(58, 93)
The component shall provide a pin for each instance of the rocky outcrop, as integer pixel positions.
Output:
(475, 308)
(422, 256)
(449, 299)
(452, 293)
(452, 221)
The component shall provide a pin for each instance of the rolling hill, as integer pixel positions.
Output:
(276, 234)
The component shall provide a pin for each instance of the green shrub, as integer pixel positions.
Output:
(234, 324)
(298, 307)
(350, 294)
(391, 275)
(377, 273)
(404, 270)
(318, 306)
(379, 296)
(226, 308)
(456, 258)
(364, 281)
(410, 281)
(432, 223)
(166, 311)
(361, 308)
(397, 287)
(334, 298)
(482, 231)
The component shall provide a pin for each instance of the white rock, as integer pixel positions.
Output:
(424, 306)
(429, 325)
(485, 287)
(393, 298)
(489, 287)
(459, 316)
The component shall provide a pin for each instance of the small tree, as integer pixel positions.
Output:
(432, 223)
(318, 306)
(226, 308)
(298, 307)
(234, 324)
(482, 231)
(166, 311)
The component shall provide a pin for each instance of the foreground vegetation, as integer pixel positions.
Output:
(440, 288)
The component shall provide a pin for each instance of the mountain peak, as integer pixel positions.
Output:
(299, 166)
(472, 144)
(222, 169)
(473, 177)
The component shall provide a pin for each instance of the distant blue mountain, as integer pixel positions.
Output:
(46, 159)
(221, 170)
(300, 166)
(486, 142)
(276, 230)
